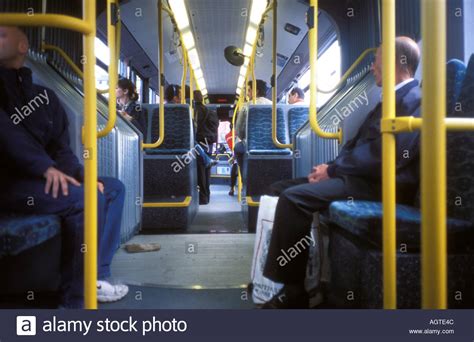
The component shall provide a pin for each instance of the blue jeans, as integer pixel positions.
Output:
(71, 211)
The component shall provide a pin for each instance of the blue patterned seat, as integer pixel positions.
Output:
(297, 117)
(18, 234)
(178, 130)
(259, 131)
(364, 219)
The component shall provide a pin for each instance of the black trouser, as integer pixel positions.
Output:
(239, 153)
(233, 175)
(204, 179)
(297, 202)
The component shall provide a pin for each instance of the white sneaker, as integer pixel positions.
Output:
(106, 292)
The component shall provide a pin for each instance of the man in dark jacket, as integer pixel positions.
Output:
(39, 174)
(355, 174)
(206, 123)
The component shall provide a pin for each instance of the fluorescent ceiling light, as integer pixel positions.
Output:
(198, 73)
(180, 13)
(258, 7)
(251, 35)
(204, 92)
(243, 71)
(188, 40)
(201, 83)
(194, 59)
(246, 61)
(241, 81)
(238, 91)
(248, 49)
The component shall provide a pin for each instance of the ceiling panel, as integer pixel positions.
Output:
(218, 24)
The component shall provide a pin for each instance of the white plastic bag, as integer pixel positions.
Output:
(263, 288)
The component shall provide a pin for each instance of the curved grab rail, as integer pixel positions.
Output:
(161, 118)
(312, 21)
(112, 20)
(276, 142)
(349, 71)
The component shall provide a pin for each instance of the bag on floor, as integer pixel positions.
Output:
(263, 288)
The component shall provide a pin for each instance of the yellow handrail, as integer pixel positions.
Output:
(65, 56)
(184, 76)
(114, 51)
(191, 90)
(313, 57)
(254, 79)
(412, 124)
(86, 26)
(183, 204)
(251, 202)
(349, 71)
(274, 80)
(49, 20)
(388, 157)
(113, 66)
(433, 156)
(161, 137)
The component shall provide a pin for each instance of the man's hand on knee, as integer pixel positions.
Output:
(320, 173)
(56, 179)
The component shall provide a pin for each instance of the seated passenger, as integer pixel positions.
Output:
(173, 94)
(355, 175)
(296, 96)
(37, 163)
(127, 98)
(241, 124)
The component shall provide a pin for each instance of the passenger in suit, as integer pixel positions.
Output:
(355, 174)
(127, 98)
(37, 163)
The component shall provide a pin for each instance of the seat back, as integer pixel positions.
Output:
(460, 145)
(297, 117)
(259, 130)
(178, 129)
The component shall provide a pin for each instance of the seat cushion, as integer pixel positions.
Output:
(364, 220)
(18, 234)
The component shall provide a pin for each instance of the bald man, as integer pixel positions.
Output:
(355, 174)
(39, 173)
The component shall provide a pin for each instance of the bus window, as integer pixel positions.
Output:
(329, 73)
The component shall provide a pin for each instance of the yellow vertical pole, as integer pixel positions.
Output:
(388, 156)
(191, 90)
(254, 80)
(433, 156)
(184, 77)
(161, 80)
(113, 63)
(312, 21)
(90, 161)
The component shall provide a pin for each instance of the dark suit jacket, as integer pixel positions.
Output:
(34, 131)
(362, 155)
